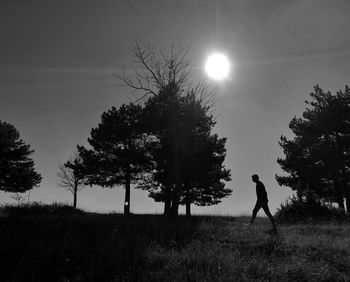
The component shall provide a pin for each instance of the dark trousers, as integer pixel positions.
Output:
(263, 204)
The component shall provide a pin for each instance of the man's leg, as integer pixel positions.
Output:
(268, 213)
(255, 211)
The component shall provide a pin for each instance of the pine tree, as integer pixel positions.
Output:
(17, 172)
(119, 152)
(317, 159)
(200, 155)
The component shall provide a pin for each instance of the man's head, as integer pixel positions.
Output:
(255, 178)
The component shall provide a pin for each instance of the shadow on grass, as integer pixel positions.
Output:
(73, 246)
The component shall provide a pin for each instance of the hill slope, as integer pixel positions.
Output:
(90, 247)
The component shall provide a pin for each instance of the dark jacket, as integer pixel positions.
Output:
(261, 192)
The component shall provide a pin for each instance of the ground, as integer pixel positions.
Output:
(92, 247)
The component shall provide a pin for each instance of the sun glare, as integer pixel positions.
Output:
(217, 66)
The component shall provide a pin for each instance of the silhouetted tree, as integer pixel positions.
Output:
(162, 74)
(200, 154)
(119, 150)
(71, 176)
(164, 79)
(17, 173)
(317, 159)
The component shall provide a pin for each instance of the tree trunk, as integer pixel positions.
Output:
(188, 209)
(168, 196)
(348, 204)
(127, 180)
(188, 200)
(310, 199)
(127, 191)
(300, 195)
(167, 202)
(340, 199)
(167, 207)
(178, 186)
(346, 188)
(75, 194)
(340, 202)
(175, 201)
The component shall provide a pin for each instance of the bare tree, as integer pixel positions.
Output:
(71, 176)
(153, 72)
(20, 199)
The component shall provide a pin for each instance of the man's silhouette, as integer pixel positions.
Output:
(261, 201)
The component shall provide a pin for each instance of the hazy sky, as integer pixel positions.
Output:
(57, 60)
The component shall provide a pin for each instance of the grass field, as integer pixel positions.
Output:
(92, 247)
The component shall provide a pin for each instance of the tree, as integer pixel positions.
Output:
(19, 198)
(203, 156)
(119, 150)
(200, 155)
(167, 75)
(17, 172)
(164, 80)
(71, 176)
(318, 158)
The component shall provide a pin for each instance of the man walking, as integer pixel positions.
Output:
(261, 202)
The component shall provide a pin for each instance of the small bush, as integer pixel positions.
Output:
(297, 210)
(36, 208)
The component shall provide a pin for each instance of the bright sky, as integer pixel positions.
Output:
(57, 60)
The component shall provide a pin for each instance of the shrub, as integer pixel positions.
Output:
(300, 210)
(37, 208)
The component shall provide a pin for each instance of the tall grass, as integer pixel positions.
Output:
(92, 247)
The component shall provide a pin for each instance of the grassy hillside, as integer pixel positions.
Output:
(61, 246)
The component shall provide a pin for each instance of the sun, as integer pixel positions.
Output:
(217, 66)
